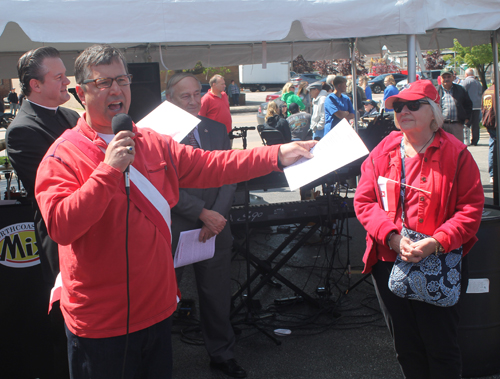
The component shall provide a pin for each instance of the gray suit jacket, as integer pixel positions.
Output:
(213, 136)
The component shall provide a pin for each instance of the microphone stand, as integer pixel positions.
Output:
(250, 320)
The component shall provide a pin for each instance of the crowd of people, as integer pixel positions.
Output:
(113, 317)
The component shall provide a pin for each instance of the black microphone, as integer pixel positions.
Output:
(120, 122)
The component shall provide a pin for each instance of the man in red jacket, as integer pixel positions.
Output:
(119, 288)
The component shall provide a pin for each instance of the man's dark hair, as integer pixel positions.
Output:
(94, 56)
(30, 66)
(293, 108)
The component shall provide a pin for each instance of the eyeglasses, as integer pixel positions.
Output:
(411, 105)
(121, 80)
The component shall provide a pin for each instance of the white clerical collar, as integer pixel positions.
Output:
(43, 106)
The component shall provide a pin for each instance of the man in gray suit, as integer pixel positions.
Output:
(208, 209)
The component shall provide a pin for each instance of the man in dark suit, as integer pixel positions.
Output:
(38, 124)
(208, 209)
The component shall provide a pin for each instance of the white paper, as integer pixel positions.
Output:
(171, 120)
(340, 146)
(191, 250)
(478, 286)
(382, 185)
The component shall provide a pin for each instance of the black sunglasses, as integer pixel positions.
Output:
(411, 105)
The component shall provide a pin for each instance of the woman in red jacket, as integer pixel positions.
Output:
(443, 199)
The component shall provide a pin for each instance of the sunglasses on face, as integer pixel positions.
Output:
(412, 106)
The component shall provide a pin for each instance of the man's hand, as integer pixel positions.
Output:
(213, 220)
(205, 234)
(291, 152)
(118, 154)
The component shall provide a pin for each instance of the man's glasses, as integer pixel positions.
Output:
(121, 80)
(411, 105)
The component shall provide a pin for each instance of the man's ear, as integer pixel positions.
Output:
(80, 93)
(35, 85)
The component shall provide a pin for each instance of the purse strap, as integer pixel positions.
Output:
(403, 181)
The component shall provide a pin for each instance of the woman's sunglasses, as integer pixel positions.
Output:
(411, 105)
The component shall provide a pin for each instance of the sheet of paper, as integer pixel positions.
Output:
(382, 185)
(171, 120)
(191, 250)
(481, 285)
(337, 148)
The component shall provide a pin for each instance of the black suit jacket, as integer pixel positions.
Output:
(213, 136)
(28, 138)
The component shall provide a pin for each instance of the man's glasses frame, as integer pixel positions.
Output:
(121, 80)
(412, 106)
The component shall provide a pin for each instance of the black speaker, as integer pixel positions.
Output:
(145, 88)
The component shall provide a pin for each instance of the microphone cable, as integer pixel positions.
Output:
(127, 190)
(120, 122)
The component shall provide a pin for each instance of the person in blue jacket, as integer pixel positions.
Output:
(390, 89)
(337, 105)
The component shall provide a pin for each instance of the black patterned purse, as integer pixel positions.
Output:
(435, 279)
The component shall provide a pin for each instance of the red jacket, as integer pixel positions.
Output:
(451, 213)
(217, 108)
(85, 213)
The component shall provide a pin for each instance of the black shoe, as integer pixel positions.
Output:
(230, 368)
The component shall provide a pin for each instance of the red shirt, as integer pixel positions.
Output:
(216, 108)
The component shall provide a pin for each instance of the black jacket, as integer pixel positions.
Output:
(28, 138)
(462, 101)
(279, 123)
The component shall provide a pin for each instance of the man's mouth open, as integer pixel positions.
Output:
(116, 106)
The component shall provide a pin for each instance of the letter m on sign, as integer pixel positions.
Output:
(12, 246)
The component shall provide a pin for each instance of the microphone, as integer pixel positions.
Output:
(120, 122)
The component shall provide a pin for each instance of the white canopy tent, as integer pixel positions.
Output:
(230, 32)
(179, 33)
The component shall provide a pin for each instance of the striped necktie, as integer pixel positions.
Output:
(192, 140)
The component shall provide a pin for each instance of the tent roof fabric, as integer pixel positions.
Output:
(231, 32)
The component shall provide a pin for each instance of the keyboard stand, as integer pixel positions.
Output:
(268, 270)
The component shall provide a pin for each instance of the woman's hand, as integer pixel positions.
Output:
(416, 251)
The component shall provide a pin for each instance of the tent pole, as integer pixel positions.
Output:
(412, 64)
(496, 175)
(354, 85)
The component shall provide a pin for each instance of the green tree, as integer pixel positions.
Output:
(479, 57)
(208, 71)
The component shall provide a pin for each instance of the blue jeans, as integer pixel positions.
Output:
(149, 355)
(493, 137)
(236, 98)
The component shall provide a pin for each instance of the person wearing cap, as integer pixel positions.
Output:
(299, 123)
(444, 202)
(371, 108)
(318, 96)
(455, 104)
